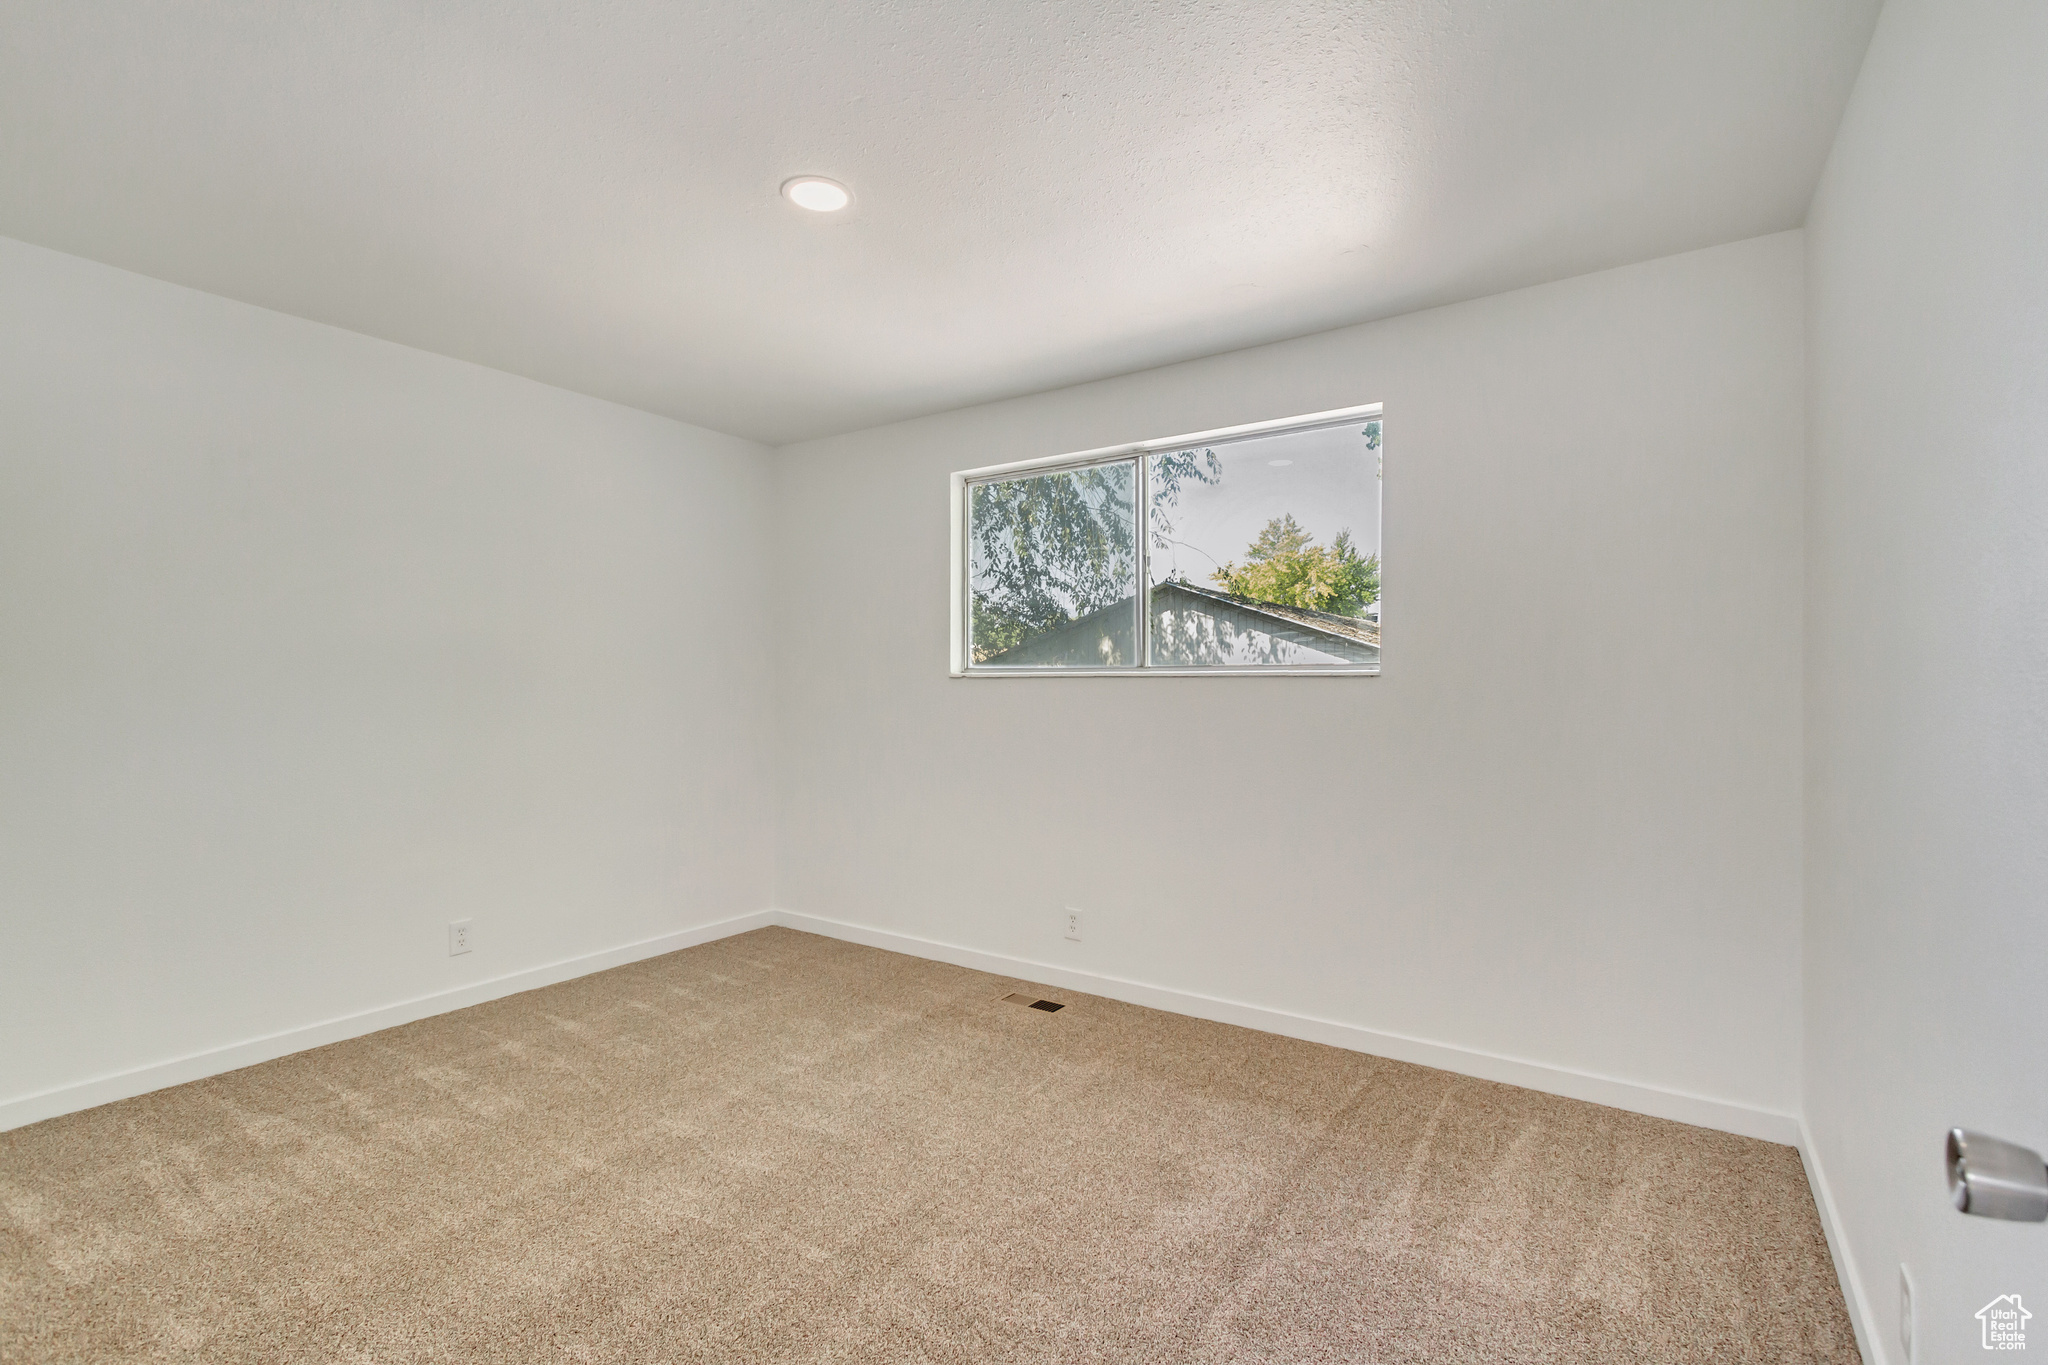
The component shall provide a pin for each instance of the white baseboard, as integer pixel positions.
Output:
(212, 1062)
(1633, 1096)
(1869, 1341)
(1578, 1085)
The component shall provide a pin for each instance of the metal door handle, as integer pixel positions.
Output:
(1996, 1179)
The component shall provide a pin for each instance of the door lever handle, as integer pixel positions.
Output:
(1993, 1178)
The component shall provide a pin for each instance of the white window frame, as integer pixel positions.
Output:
(962, 598)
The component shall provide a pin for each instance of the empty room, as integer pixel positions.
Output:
(1329, 682)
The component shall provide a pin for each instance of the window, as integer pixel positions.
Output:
(1252, 549)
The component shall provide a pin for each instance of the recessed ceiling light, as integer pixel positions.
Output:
(816, 193)
(1279, 464)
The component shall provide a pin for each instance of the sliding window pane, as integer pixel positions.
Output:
(1053, 569)
(1266, 551)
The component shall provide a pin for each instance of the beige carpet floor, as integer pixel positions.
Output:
(783, 1148)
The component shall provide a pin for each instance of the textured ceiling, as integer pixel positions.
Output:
(584, 191)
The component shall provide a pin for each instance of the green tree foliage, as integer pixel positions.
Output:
(1169, 472)
(1286, 567)
(1049, 549)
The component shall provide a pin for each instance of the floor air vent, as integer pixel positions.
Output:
(1049, 1006)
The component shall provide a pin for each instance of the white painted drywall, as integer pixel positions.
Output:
(310, 644)
(1563, 825)
(1927, 865)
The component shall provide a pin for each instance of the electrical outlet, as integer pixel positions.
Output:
(458, 937)
(1906, 1312)
(1073, 924)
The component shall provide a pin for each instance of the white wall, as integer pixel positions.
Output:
(1564, 825)
(1926, 942)
(311, 643)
